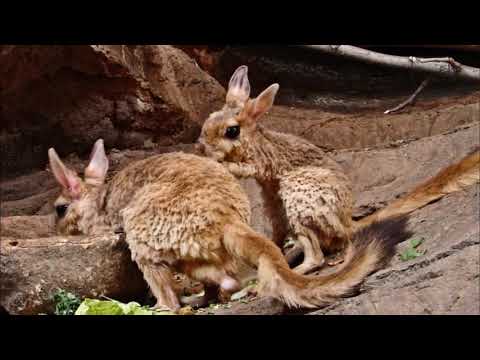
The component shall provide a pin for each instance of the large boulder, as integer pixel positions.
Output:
(68, 96)
(32, 270)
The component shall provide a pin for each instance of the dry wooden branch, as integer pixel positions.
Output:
(410, 99)
(448, 60)
(446, 67)
(464, 48)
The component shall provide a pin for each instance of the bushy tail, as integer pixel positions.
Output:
(451, 179)
(370, 250)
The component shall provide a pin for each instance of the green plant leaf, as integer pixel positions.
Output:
(114, 307)
(411, 252)
(416, 242)
(65, 302)
(98, 307)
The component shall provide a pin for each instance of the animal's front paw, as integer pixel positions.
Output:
(240, 169)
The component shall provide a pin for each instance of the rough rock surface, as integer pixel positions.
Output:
(443, 281)
(33, 269)
(27, 227)
(68, 96)
(336, 131)
(262, 306)
(381, 175)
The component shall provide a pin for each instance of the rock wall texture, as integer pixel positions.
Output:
(68, 96)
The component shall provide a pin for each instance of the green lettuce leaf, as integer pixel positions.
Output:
(114, 307)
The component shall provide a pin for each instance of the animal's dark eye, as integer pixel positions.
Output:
(61, 210)
(232, 132)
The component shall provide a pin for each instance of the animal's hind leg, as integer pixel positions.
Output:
(318, 205)
(215, 279)
(313, 254)
(160, 280)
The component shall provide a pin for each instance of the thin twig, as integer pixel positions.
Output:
(410, 99)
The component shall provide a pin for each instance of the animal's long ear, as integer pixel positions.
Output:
(262, 103)
(238, 87)
(97, 168)
(67, 178)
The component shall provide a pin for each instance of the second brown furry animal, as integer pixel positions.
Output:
(188, 213)
(300, 178)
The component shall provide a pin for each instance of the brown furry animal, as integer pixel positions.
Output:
(303, 185)
(188, 213)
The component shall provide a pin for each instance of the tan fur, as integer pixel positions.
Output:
(173, 209)
(276, 279)
(188, 213)
(315, 192)
(451, 179)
